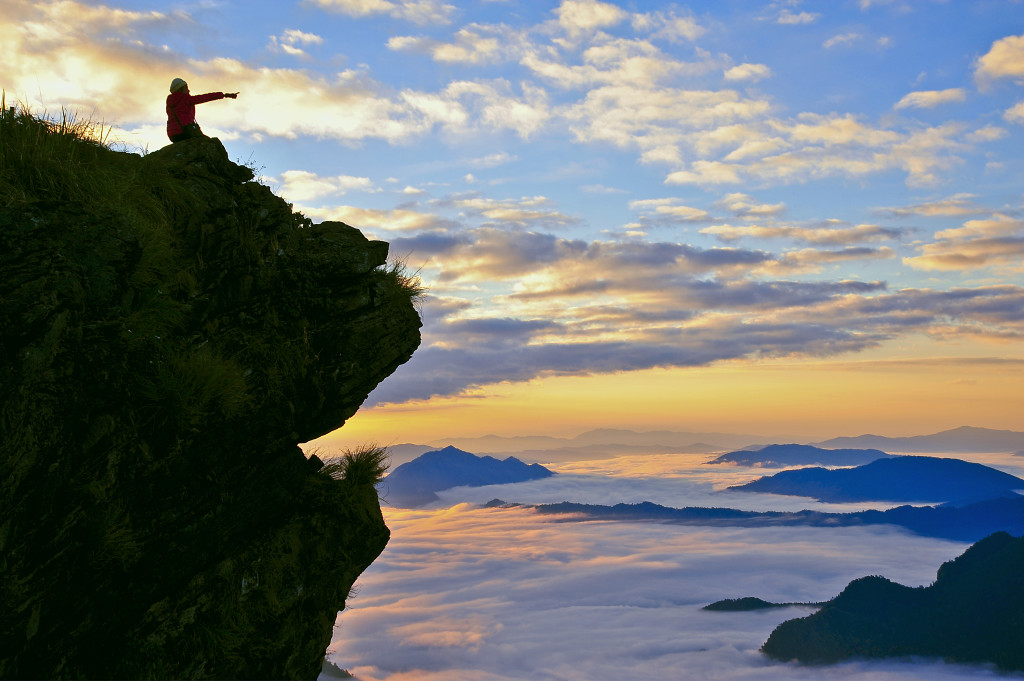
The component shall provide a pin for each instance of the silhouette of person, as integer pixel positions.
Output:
(181, 110)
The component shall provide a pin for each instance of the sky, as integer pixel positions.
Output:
(770, 217)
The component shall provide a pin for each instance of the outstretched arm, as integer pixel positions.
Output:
(211, 96)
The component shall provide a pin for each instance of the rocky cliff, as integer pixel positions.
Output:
(169, 331)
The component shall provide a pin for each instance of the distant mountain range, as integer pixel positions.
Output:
(970, 522)
(416, 482)
(963, 439)
(777, 456)
(971, 614)
(899, 478)
(605, 437)
(609, 442)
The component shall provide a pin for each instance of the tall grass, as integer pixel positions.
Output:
(365, 465)
(397, 272)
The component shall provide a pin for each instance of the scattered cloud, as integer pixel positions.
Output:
(956, 205)
(375, 221)
(292, 40)
(491, 160)
(989, 133)
(476, 44)
(842, 39)
(748, 72)
(837, 234)
(793, 18)
(997, 241)
(528, 211)
(928, 99)
(744, 205)
(667, 26)
(668, 211)
(585, 16)
(1005, 59)
(1015, 114)
(302, 185)
(416, 11)
(601, 189)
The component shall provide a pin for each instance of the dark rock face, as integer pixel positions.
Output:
(972, 613)
(157, 519)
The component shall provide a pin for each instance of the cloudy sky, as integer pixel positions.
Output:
(797, 217)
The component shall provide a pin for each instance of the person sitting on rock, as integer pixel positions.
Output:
(181, 110)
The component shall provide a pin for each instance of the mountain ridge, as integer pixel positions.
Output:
(971, 614)
(776, 456)
(969, 522)
(899, 478)
(417, 482)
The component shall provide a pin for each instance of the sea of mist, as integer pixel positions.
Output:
(466, 593)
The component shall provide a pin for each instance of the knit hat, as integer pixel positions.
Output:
(178, 84)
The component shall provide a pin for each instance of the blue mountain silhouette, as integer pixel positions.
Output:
(899, 478)
(777, 456)
(415, 483)
(970, 522)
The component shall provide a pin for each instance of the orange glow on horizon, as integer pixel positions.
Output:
(777, 398)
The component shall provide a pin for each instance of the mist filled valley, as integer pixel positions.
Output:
(505, 581)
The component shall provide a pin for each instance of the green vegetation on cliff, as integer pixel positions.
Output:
(169, 332)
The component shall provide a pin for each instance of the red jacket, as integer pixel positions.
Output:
(181, 109)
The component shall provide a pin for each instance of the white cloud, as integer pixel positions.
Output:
(509, 594)
(744, 205)
(669, 210)
(476, 44)
(842, 39)
(822, 235)
(956, 205)
(584, 16)
(927, 99)
(291, 39)
(416, 11)
(997, 241)
(1005, 59)
(793, 18)
(302, 185)
(1015, 114)
(667, 26)
(525, 211)
(374, 222)
(990, 133)
(748, 72)
(492, 160)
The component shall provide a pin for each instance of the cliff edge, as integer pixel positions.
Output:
(169, 331)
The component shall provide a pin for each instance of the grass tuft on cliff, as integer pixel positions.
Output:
(67, 158)
(408, 282)
(366, 465)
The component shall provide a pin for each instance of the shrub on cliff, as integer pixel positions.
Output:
(362, 466)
